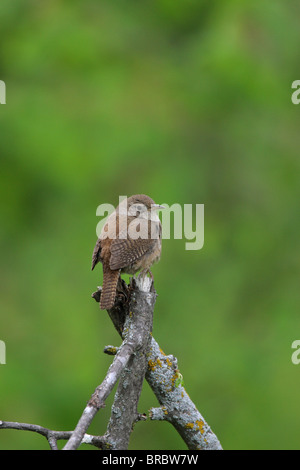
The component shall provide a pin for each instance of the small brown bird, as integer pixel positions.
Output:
(129, 242)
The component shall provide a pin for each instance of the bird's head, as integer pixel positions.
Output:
(141, 205)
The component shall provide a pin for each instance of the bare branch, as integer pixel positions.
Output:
(98, 398)
(139, 356)
(135, 331)
(137, 328)
(165, 380)
(177, 407)
(54, 436)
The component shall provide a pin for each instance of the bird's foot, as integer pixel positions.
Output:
(143, 273)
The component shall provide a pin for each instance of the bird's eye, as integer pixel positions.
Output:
(135, 210)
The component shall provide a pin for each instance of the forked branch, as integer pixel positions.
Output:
(138, 357)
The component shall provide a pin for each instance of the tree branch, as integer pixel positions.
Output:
(134, 324)
(98, 398)
(137, 328)
(139, 356)
(165, 380)
(54, 436)
(177, 407)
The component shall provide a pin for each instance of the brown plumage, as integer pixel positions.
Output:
(130, 241)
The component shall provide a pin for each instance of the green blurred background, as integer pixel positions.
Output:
(188, 102)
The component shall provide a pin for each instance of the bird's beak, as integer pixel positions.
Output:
(157, 207)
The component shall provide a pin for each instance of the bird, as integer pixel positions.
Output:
(130, 241)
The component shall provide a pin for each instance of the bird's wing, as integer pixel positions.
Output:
(107, 232)
(96, 253)
(126, 251)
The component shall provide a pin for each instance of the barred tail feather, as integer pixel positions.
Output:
(109, 288)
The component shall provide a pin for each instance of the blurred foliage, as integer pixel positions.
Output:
(188, 102)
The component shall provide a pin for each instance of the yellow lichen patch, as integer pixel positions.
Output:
(112, 350)
(168, 362)
(200, 426)
(152, 364)
(161, 351)
(189, 425)
(173, 380)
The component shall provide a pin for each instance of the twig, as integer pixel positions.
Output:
(54, 436)
(98, 398)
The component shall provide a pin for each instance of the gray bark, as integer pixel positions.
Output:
(138, 357)
(163, 377)
(136, 329)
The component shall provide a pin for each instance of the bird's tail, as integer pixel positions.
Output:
(109, 288)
